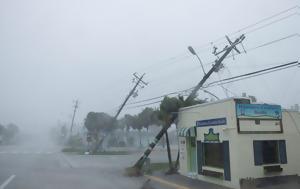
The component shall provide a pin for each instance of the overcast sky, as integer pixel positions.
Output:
(55, 51)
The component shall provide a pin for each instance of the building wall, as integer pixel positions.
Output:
(240, 145)
(291, 134)
(189, 116)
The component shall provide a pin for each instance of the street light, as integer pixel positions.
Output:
(194, 53)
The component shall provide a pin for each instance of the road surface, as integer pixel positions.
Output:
(39, 165)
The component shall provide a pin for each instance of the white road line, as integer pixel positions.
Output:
(7, 181)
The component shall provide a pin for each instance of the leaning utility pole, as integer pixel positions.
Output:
(138, 80)
(216, 67)
(73, 117)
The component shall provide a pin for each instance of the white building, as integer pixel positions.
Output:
(227, 141)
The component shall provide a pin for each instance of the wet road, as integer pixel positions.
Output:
(36, 166)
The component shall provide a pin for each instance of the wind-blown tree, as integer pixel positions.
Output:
(99, 125)
(9, 132)
(2, 130)
(147, 118)
(137, 124)
(168, 113)
(128, 120)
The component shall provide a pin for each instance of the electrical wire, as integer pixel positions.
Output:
(254, 24)
(295, 63)
(224, 81)
(230, 56)
(182, 57)
(250, 76)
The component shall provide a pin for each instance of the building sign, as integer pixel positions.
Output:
(258, 111)
(211, 136)
(211, 122)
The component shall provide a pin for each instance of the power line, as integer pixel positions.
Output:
(256, 72)
(248, 32)
(223, 81)
(268, 18)
(254, 75)
(273, 22)
(131, 107)
(247, 50)
(183, 56)
(254, 24)
(274, 41)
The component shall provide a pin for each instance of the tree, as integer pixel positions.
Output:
(168, 113)
(9, 132)
(128, 120)
(136, 123)
(147, 118)
(2, 130)
(99, 125)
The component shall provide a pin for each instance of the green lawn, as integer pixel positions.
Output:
(81, 152)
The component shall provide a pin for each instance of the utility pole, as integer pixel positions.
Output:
(138, 80)
(73, 117)
(217, 65)
(215, 68)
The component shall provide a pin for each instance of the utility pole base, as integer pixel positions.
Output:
(172, 171)
(133, 172)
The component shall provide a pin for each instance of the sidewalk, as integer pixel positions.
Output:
(176, 181)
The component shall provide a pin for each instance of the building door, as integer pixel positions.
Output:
(192, 156)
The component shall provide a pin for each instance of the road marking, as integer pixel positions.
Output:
(162, 181)
(7, 181)
(65, 161)
(24, 152)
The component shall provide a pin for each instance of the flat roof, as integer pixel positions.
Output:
(213, 102)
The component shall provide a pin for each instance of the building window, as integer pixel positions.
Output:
(270, 152)
(213, 155)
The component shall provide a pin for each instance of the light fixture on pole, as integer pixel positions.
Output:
(194, 53)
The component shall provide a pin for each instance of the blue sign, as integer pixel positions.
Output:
(258, 111)
(211, 122)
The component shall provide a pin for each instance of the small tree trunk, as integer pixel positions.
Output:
(169, 151)
(148, 135)
(140, 138)
(177, 161)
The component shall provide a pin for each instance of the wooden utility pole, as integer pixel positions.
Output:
(216, 67)
(73, 117)
(138, 80)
